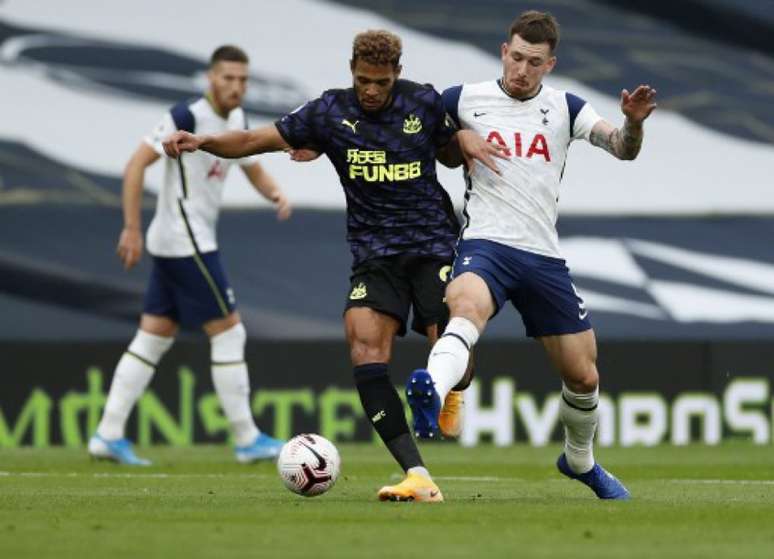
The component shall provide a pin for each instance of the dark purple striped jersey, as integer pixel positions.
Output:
(386, 164)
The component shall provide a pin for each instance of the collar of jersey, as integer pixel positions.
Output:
(502, 88)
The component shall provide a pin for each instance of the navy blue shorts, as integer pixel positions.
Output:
(540, 287)
(191, 290)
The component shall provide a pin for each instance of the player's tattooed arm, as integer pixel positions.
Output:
(625, 142)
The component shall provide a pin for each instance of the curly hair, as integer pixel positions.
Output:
(536, 27)
(377, 47)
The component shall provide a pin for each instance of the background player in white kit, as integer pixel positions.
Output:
(509, 247)
(187, 283)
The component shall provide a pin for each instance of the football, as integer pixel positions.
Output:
(309, 465)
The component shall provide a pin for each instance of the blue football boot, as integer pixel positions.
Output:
(425, 404)
(118, 450)
(263, 447)
(601, 482)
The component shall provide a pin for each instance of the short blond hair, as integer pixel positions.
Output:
(377, 47)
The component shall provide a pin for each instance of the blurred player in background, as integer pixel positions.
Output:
(187, 283)
(509, 248)
(382, 135)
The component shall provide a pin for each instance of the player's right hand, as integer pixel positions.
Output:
(180, 142)
(129, 248)
(474, 147)
(638, 105)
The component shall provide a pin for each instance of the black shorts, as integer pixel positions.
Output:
(393, 284)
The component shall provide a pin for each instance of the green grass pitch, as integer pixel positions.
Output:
(500, 502)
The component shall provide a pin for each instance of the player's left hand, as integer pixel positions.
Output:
(474, 147)
(129, 247)
(284, 209)
(638, 105)
(303, 155)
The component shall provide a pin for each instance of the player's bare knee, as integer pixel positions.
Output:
(582, 378)
(465, 301)
(462, 305)
(158, 325)
(589, 383)
(363, 355)
(363, 352)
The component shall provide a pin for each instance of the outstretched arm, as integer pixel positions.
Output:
(264, 183)
(233, 144)
(625, 142)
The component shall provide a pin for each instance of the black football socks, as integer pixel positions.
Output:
(384, 409)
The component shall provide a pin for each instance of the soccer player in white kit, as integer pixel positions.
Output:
(509, 247)
(187, 284)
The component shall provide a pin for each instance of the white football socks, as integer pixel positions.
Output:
(449, 357)
(131, 377)
(232, 383)
(580, 415)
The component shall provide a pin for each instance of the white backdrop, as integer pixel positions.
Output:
(683, 168)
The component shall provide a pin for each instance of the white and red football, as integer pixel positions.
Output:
(309, 465)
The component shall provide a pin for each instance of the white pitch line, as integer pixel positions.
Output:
(488, 479)
(132, 475)
(723, 481)
(173, 476)
(128, 475)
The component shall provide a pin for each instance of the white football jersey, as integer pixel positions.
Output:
(519, 207)
(189, 199)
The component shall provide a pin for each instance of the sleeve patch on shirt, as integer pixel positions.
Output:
(451, 101)
(574, 104)
(183, 117)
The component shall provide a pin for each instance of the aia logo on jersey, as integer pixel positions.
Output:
(537, 147)
(216, 171)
